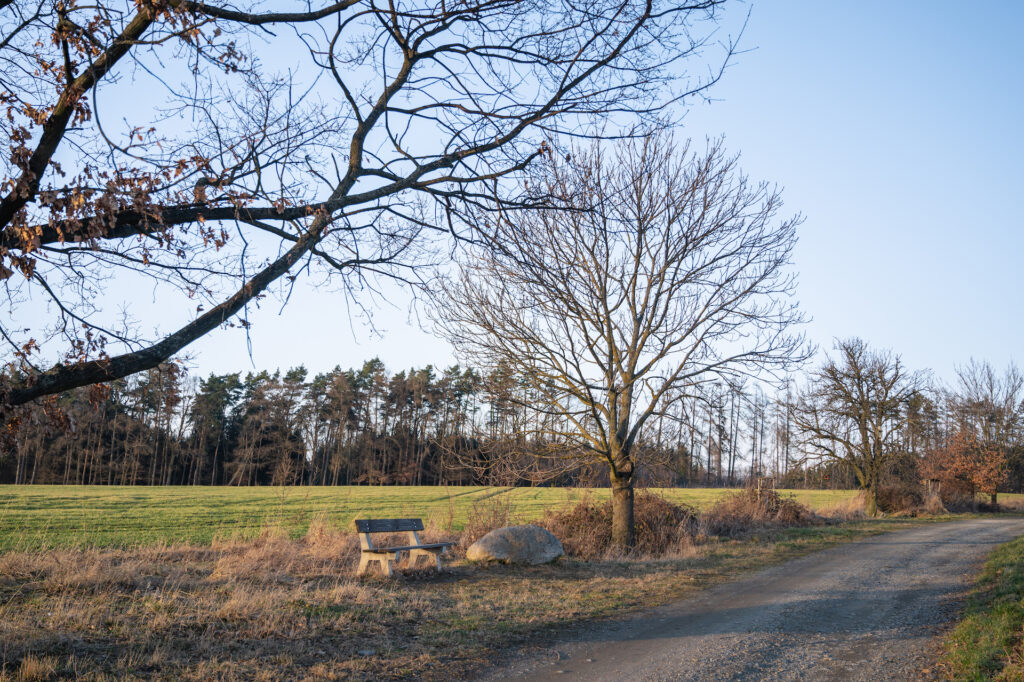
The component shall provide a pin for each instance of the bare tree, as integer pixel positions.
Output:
(853, 411)
(664, 269)
(989, 404)
(158, 139)
(991, 408)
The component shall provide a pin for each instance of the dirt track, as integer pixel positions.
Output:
(866, 610)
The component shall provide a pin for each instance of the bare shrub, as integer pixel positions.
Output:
(743, 511)
(900, 498)
(662, 527)
(959, 496)
(584, 529)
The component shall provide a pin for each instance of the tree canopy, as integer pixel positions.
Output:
(224, 151)
(664, 268)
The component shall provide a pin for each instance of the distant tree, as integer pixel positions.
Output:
(989, 403)
(990, 406)
(853, 411)
(664, 268)
(967, 463)
(212, 426)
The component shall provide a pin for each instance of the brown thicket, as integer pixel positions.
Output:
(662, 527)
(965, 466)
(754, 508)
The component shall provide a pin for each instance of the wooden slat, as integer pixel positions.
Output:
(388, 525)
(432, 545)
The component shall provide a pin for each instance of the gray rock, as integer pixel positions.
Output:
(516, 545)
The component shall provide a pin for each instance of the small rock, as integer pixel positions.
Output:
(366, 652)
(516, 545)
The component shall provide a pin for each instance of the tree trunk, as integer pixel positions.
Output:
(623, 537)
(992, 498)
(871, 500)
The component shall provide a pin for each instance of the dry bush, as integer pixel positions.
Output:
(662, 527)
(933, 505)
(744, 511)
(901, 498)
(958, 496)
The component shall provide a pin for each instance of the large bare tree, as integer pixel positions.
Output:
(854, 411)
(223, 150)
(662, 269)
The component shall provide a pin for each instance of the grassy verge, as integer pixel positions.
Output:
(282, 608)
(987, 643)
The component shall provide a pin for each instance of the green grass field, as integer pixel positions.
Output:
(75, 516)
(34, 517)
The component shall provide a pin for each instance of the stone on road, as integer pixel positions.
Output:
(864, 610)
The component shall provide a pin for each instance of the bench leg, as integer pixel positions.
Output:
(387, 564)
(429, 554)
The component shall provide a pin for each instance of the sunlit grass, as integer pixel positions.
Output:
(987, 643)
(106, 516)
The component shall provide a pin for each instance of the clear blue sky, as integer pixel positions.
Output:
(894, 127)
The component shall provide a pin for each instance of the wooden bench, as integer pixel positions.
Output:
(387, 557)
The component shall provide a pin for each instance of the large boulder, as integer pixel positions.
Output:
(516, 545)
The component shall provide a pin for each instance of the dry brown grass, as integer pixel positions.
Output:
(933, 505)
(494, 511)
(278, 608)
(32, 669)
(851, 509)
(267, 608)
(1012, 505)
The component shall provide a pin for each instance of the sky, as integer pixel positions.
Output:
(894, 128)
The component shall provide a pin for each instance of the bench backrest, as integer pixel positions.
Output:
(388, 525)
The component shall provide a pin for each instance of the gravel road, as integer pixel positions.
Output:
(865, 610)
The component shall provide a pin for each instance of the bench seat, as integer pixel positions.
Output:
(387, 557)
(386, 550)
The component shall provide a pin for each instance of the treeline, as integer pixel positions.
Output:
(454, 426)
(361, 426)
(344, 427)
